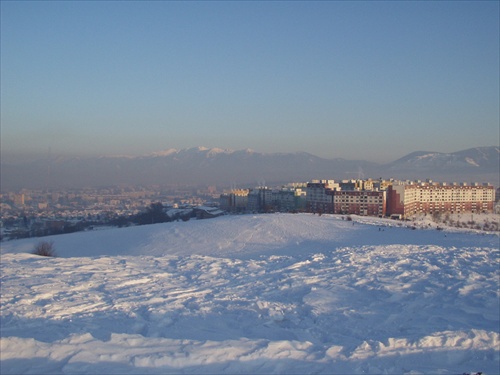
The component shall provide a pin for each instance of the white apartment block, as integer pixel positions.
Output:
(408, 199)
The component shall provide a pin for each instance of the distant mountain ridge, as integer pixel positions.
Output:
(225, 167)
(480, 157)
(479, 162)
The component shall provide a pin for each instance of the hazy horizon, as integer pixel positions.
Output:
(20, 157)
(197, 166)
(356, 80)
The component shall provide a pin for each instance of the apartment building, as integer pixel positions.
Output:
(367, 184)
(414, 198)
(234, 201)
(318, 199)
(260, 200)
(288, 199)
(359, 202)
(346, 197)
(264, 199)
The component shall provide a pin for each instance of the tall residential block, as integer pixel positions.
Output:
(410, 199)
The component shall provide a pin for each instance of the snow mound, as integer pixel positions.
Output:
(253, 294)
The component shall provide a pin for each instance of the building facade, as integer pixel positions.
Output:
(260, 200)
(410, 199)
(318, 197)
(234, 201)
(359, 202)
(401, 199)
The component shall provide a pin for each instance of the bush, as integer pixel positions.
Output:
(45, 249)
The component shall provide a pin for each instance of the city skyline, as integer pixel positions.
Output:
(358, 80)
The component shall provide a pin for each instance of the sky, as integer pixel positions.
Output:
(358, 80)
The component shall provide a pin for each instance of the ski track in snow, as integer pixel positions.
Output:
(253, 294)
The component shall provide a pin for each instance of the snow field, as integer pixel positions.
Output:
(249, 236)
(283, 294)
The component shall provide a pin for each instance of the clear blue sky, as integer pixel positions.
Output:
(368, 80)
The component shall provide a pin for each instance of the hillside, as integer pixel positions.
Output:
(253, 294)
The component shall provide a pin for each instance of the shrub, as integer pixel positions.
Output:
(45, 249)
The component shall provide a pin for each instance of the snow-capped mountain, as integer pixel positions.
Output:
(193, 166)
(479, 161)
(202, 166)
(479, 157)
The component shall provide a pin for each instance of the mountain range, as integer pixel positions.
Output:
(243, 168)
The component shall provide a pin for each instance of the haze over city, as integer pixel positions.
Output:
(358, 80)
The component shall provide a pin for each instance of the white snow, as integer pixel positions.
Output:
(253, 294)
(167, 152)
(472, 162)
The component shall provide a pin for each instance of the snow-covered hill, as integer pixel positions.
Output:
(253, 294)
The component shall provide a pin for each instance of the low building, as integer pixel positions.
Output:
(204, 212)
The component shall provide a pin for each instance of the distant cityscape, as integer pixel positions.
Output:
(37, 213)
(382, 198)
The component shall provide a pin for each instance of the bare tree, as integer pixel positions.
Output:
(45, 248)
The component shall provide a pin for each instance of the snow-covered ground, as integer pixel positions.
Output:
(254, 294)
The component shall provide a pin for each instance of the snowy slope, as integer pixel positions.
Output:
(253, 294)
(247, 236)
